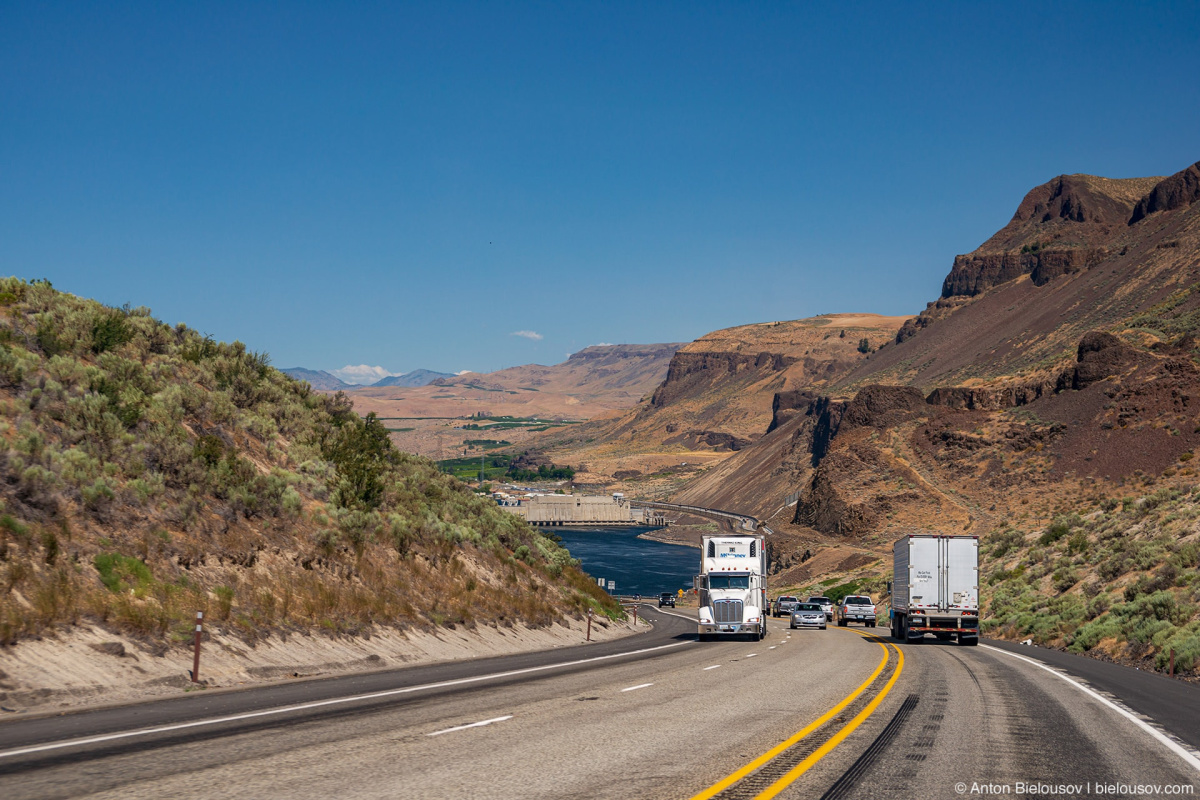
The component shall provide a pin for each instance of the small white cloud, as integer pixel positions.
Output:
(603, 344)
(462, 372)
(534, 335)
(362, 374)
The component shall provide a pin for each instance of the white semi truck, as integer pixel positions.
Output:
(935, 588)
(733, 586)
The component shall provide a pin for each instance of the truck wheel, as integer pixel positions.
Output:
(968, 641)
(841, 623)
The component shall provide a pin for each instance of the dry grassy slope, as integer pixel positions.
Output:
(149, 472)
(717, 397)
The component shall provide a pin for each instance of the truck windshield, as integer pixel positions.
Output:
(729, 581)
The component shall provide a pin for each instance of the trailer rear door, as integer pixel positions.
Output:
(924, 573)
(961, 578)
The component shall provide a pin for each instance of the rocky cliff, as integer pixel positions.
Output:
(1048, 401)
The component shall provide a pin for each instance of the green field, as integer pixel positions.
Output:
(467, 469)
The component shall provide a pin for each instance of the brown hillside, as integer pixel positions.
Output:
(1046, 402)
(591, 383)
(1017, 306)
(718, 397)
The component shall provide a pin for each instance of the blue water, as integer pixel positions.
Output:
(638, 566)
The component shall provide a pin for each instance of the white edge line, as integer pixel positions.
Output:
(714, 666)
(319, 703)
(471, 725)
(1171, 744)
(639, 686)
(678, 616)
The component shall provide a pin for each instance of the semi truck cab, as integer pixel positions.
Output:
(732, 587)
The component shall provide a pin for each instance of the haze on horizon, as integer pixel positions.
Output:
(474, 186)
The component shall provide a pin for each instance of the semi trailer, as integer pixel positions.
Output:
(935, 588)
(732, 585)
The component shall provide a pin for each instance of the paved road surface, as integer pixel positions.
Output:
(667, 723)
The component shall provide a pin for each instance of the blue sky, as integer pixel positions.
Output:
(410, 185)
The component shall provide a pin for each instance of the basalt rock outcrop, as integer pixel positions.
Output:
(1179, 190)
(687, 369)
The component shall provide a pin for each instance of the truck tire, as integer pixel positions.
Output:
(968, 641)
(841, 623)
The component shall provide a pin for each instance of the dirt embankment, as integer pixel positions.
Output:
(87, 666)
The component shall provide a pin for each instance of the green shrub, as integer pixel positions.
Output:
(98, 495)
(224, 596)
(121, 573)
(109, 331)
(1059, 528)
(16, 529)
(1185, 643)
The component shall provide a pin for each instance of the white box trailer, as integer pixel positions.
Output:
(733, 586)
(935, 588)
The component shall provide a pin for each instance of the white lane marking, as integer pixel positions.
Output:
(751, 655)
(714, 666)
(680, 616)
(634, 688)
(319, 703)
(471, 725)
(772, 647)
(1183, 752)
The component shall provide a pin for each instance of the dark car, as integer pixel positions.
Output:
(666, 599)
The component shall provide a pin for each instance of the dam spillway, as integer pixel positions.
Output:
(554, 510)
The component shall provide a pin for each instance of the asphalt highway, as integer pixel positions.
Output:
(834, 713)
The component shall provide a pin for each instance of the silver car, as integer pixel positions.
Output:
(808, 615)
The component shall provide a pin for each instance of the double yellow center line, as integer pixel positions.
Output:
(807, 764)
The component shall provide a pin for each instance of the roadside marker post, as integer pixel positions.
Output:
(1172, 673)
(589, 633)
(196, 658)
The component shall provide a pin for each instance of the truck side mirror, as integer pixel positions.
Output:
(889, 585)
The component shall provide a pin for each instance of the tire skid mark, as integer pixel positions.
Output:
(843, 785)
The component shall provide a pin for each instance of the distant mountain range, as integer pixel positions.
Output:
(418, 377)
(324, 381)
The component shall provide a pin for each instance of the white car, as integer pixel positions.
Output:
(856, 608)
(826, 605)
(808, 615)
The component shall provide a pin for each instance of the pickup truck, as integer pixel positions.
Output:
(856, 608)
(784, 606)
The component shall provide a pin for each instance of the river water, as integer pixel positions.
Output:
(638, 566)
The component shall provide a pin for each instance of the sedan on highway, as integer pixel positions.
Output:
(808, 615)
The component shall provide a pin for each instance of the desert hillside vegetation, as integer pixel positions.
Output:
(148, 472)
